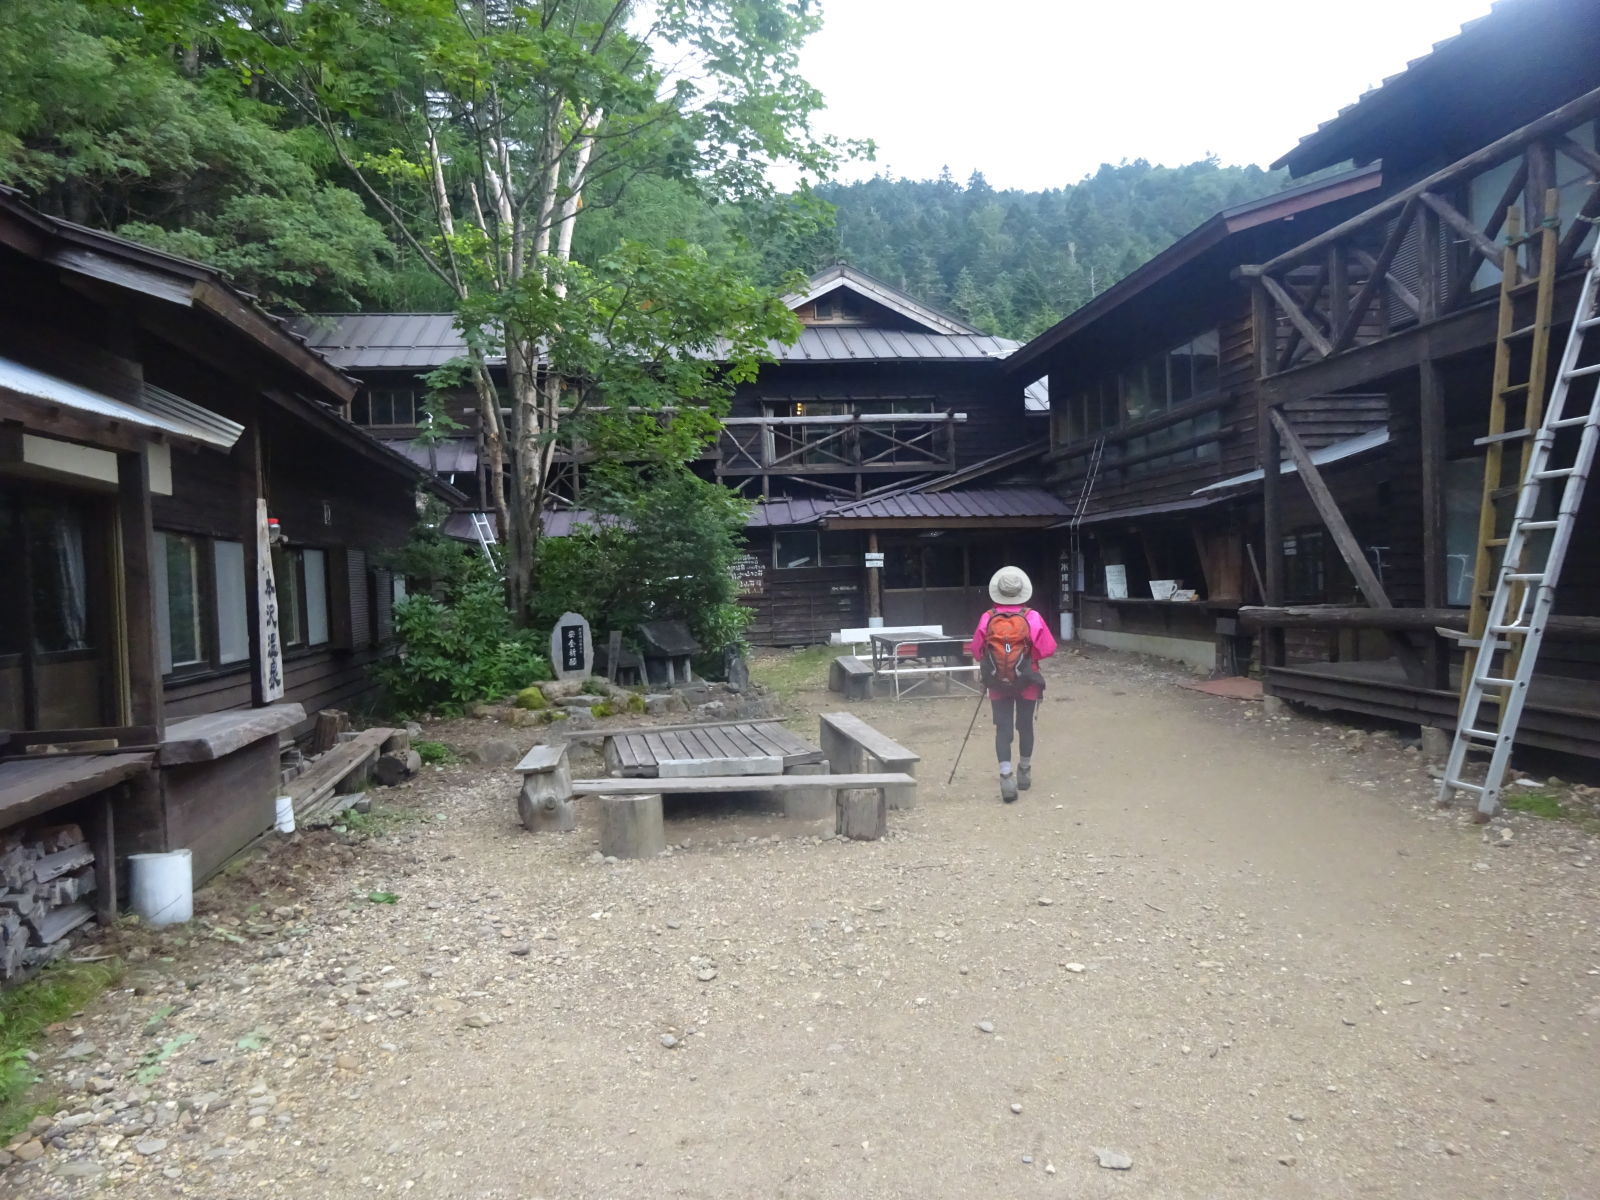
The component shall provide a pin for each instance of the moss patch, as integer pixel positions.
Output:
(1533, 801)
(531, 698)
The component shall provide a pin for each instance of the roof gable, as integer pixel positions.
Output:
(878, 294)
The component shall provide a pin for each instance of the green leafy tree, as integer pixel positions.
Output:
(481, 129)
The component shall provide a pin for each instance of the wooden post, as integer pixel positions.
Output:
(1431, 410)
(863, 814)
(874, 580)
(1430, 273)
(102, 840)
(144, 700)
(613, 654)
(631, 826)
(1269, 453)
(545, 804)
(248, 452)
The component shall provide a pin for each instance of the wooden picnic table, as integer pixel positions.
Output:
(635, 754)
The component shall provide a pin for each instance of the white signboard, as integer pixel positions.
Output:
(874, 558)
(1116, 583)
(270, 664)
(571, 648)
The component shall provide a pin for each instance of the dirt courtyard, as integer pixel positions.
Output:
(1247, 955)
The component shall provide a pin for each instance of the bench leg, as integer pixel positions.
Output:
(808, 804)
(863, 814)
(631, 826)
(546, 805)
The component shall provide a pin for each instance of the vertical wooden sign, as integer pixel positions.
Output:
(270, 663)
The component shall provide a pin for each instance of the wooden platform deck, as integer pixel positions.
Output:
(30, 786)
(1561, 713)
(635, 755)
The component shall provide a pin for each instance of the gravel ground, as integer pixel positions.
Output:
(1246, 957)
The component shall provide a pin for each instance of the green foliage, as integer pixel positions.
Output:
(593, 686)
(383, 898)
(1535, 801)
(663, 547)
(432, 560)
(26, 1011)
(636, 704)
(459, 650)
(435, 754)
(150, 1062)
(1015, 262)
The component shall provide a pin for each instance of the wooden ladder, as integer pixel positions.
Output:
(1516, 406)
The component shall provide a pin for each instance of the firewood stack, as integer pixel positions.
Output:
(45, 873)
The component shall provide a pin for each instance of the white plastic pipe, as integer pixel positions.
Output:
(161, 886)
(285, 822)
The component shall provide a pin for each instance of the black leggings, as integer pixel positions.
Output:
(1005, 711)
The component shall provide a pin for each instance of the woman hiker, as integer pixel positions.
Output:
(1010, 642)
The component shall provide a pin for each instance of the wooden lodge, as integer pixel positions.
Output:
(1496, 129)
(1153, 434)
(191, 528)
(880, 398)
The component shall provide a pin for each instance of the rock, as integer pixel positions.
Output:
(521, 950)
(29, 1151)
(985, 1026)
(1297, 1116)
(1114, 1160)
(149, 1146)
(476, 1021)
(531, 698)
(706, 974)
(495, 752)
(1016, 1110)
(99, 1085)
(1049, 1168)
(1045, 902)
(580, 719)
(561, 689)
(659, 704)
(670, 1042)
(392, 769)
(483, 712)
(522, 718)
(1287, 1160)
(413, 729)
(79, 1050)
(83, 1168)
(1075, 968)
(346, 1062)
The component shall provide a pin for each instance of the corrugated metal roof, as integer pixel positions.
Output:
(454, 456)
(1360, 444)
(789, 511)
(382, 340)
(968, 504)
(167, 415)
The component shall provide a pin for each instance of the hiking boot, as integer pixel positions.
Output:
(1008, 788)
(1024, 776)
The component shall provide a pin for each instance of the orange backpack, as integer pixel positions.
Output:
(1007, 660)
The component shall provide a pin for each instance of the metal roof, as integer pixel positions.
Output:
(841, 276)
(865, 344)
(805, 510)
(453, 456)
(970, 504)
(1361, 444)
(159, 414)
(358, 341)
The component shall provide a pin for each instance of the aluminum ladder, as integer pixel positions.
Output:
(482, 526)
(1502, 667)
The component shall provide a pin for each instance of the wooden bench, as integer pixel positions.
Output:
(851, 677)
(545, 801)
(850, 744)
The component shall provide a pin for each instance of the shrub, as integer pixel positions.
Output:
(435, 753)
(459, 650)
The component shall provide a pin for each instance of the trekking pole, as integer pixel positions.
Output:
(963, 750)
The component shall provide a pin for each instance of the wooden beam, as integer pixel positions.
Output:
(1401, 292)
(1269, 456)
(142, 693)
(1430, 402)
(1377, 273)
(1297, 318)
(1497, 220)
(1346, 616)
(1470, 232)
(1496, 152)
(1328, 509)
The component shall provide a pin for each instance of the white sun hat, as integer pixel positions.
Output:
(1010, 585)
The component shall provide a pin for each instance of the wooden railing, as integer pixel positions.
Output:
(1418, 256)
(852, 444)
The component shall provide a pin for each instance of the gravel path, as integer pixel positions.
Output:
(1245, 956)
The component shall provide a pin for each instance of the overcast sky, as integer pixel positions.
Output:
(1038, 93)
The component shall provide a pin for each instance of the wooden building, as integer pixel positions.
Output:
(879, 394)
(152, 420)
(1152, 436)
(1498, 123)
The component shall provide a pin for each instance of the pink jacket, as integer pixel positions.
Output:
(1044, 643)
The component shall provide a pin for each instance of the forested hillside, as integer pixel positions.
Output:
(1014, 262)
(101, 121)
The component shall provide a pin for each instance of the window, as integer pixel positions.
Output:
(795, 548)
(286, 578)
(389, 406)
(1305, 567)
(233, 616)
(1144, 389)
(184, 644)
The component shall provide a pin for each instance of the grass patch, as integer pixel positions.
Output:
(790, 672)
(1531, 800)
(26, 1011)
(379, 820)
(436, 754)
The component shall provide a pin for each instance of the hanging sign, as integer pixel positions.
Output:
(873, 558)
(749, 575)
(1116, 582)
(269, 664)
(571, 647)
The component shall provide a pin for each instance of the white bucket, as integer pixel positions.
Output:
(161, 886)
(285, 822)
